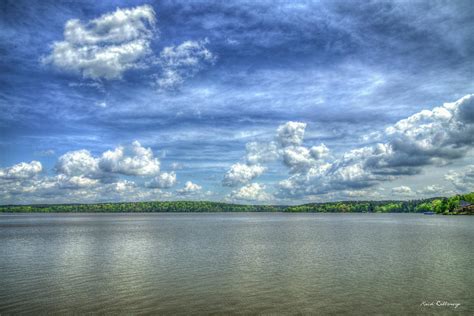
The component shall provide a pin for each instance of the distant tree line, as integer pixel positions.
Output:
(440, 205)
(126, 207)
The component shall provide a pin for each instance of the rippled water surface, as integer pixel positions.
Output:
(228, 263)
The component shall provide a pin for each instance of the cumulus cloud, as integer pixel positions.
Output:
(163, 181)
(47, 188)
(428, 137)
(291, 133)
(121, 186)
(22, 170)
(435, 136)
(133, 160)
(402, 190)
(303, 162)
(446, 132)
(107, 46)
(251, 192)
(22, 188)
(462, 180)
(74, 182)
(289, 136)
(183, 61)
(81, 177)
(300, 158)
(78, 163)
(297, 158)
(75, 189)
(287, 147)
(241, 174)
(319, 152)
(189, 188)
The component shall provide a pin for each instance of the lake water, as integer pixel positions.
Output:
(229, 263)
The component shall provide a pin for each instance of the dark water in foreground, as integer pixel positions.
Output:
(236, 263)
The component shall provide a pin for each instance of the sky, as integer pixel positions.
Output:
(266, 102)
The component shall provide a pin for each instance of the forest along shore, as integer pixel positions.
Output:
(455, 205)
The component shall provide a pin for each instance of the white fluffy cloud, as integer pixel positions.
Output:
(107, 46)
(402, 190)
(303, 162)
(189, 188)
(300, 158)
(288, 147)
(251, 192)
(77, 163)
(428, 137)
(291, 133)
(319, 152)
(121, 186)
(297, 158)
(110, 45)
(23, 170)
(183, 61)
(75, 189)
(133, 160)
(82, 177)
(446, 132)
(241, 174)
(74, 182)
(164, 180)
(49, 189)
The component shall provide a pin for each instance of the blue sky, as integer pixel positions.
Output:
(240, 101)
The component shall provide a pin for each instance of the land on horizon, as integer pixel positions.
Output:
(458, 204)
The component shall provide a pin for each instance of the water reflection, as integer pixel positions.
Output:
(229, 263)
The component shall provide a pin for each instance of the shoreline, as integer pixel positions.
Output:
(454, 205)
